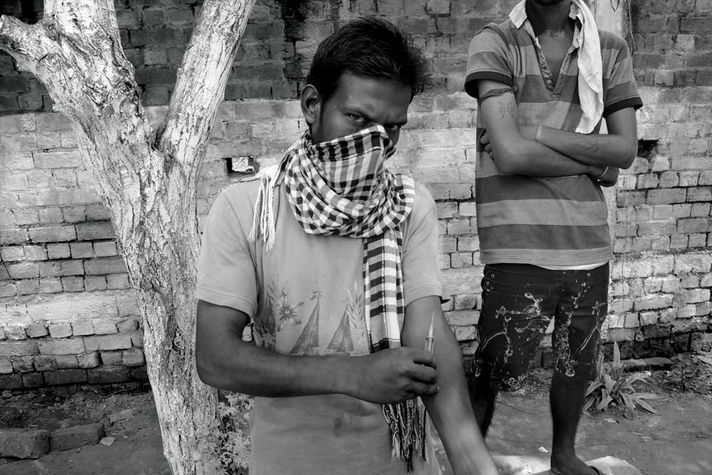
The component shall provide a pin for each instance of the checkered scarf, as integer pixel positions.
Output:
(341, 187)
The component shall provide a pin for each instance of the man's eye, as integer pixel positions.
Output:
(355, 117)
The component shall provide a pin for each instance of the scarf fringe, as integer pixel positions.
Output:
(406, 421)
(263, 221)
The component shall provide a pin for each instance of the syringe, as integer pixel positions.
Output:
(430, 339)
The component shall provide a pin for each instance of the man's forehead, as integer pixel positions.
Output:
(372, 93)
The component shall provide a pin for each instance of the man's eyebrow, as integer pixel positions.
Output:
(399, 123)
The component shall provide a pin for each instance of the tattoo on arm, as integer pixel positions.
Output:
(593, 147)
(495, 93)
(507, 109)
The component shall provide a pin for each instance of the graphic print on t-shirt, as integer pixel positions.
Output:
(308, 341)
(351, 334)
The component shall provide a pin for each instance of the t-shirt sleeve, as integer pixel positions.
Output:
(487, 58)
(226, 272)
(620, 88)
(421, 267)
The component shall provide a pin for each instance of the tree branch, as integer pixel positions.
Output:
(201, 80)
(27, 44)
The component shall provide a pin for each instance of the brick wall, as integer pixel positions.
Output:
(66, 311)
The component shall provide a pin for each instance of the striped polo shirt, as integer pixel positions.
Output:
(549, 222)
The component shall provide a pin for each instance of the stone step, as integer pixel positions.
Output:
(24, 443)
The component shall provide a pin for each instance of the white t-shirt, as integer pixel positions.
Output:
(305, 297)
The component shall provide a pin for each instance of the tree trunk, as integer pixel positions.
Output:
(146, 180)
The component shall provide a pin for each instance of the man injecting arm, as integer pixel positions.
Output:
(333, 259)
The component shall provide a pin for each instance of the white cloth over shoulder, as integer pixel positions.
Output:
(590, 69)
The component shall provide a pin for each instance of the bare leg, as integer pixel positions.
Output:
(483, 398)
(566, 400)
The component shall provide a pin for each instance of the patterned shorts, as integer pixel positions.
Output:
(518, 303)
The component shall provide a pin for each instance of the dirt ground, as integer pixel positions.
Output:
(677, 441)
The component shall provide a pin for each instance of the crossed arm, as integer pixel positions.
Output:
(225, 361)
(547, 152)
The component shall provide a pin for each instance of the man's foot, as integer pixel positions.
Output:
(571, 465)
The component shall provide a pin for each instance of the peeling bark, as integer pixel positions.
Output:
(147, 181)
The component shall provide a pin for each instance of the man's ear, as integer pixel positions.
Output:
(311, 104)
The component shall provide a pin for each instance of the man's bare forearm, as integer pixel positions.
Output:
(450, 408)
(226, 362)
(243, 367)
(530, 158)
(592, 149)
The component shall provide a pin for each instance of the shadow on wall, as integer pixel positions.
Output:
(29, 11)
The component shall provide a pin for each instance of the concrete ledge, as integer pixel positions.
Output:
(23, 443)
(77, 436)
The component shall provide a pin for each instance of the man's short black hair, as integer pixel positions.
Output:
(368, 47)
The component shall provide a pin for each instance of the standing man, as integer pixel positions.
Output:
(333, 259)
(544, 79)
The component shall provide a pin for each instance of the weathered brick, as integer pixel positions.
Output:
(137, 339)
(5, 365)
(460, 226)
(689, 281)
(60, 330)
(118, 341)
(77, 436)
(692, 263)
(23, 270)
(50, 215)
(89, 231)
(117, 281)
(11, 381)
(18, 348)
(15, 332)
(97, 212)
(467, 209)
(36, 330)
(68, 346)
(45, 363)
(12, 254)
(81, 249)
(104, 327)
(460, 259)
(22, 364)
(650, 302)
(33, 380)
(7, 289)
(105, 248)
(57, 159)
(50, 285)
(35, 253)
(110, 358)
(24, 443)
(127, 326)
(105, 265)
(13, 236)
(94, 283)
(73, 284)
(65, 376)
(52, 234)
(88, 360)
(668, 196)
(82, 328)
(66, 361)
(139, 373)
(133, 357)
(696, 296)
(61, 268)
(27, 286)
(58, 251)
(109, 374)
(74, 214)
(620, 306)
